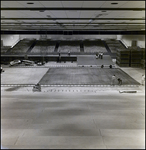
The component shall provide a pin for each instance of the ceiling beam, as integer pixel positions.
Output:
(72, 18)
(72, 8)
(77, 32)
(71, 24)
(77, 0)
(114, 24)
(78, 23)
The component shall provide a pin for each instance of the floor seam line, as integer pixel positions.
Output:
(16, 140)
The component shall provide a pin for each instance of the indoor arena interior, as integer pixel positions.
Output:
(72, 74)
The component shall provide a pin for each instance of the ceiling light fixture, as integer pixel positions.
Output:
(30, 3)
(114, 3)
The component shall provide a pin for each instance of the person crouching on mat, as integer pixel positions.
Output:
(119, 81)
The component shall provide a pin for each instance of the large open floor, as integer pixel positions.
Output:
(73, 74)
(71, 117)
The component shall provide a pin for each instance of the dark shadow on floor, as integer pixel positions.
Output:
(15, 88)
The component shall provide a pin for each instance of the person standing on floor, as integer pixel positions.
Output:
(97, 55)
(110, 66)
(102, 66)
(59, 53)
(143, 80)
(113, 80)
(101, 55)
(2, 69)
(39, 87)
(60, 58)
(68, 53)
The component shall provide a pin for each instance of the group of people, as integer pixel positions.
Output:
(114, 80)
(37, 88)
(99, 55)
(110, 66)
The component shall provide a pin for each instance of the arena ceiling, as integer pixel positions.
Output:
(73, 16)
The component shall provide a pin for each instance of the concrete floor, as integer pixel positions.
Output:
(91, 60)
(72, 117)
(14, 75)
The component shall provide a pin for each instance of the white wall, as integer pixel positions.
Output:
(27, 36)
(127, 39)
(9, 40)
(70, 37)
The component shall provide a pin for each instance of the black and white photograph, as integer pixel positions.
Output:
(72, 74)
